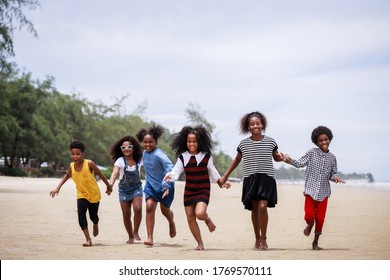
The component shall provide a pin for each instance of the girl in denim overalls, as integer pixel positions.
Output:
(127, 154)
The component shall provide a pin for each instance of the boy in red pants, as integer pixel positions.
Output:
(321, 168)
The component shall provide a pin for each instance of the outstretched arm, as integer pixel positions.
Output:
(174, 174)
(114, 175)
(56, 191)
(302, 162)
(231, 167)
(96, 170)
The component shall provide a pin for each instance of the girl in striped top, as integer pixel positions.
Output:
(259, 185)
(193, 147)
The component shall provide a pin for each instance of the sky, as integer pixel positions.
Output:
(301, 63)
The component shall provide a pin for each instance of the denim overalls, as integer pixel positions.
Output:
(130, 185)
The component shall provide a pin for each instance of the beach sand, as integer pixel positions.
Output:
(35, 226)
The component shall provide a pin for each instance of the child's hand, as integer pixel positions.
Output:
(167, 177)
(287, 158)
(166, 192)
(54, 192)
(226, 185)
(221, 181)
(109, 189)
(338, 180)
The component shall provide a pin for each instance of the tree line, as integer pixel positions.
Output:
(37, 123)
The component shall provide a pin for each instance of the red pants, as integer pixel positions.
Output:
(315, 211)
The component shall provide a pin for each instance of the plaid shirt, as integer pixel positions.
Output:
(321, 167)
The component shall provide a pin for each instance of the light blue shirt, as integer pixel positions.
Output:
(156, 164)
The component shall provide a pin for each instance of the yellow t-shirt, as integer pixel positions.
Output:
(86, 184)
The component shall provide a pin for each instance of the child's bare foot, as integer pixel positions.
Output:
(136, 236)
(263, 244)
(130, 241)
(87, 244)
(210, 225)
(316, 247)
(95, 230)
(149, 242)
(172, 229)
(257, 244)
(307, 229)
(200, 247)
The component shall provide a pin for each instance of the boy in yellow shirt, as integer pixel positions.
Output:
(88, 193)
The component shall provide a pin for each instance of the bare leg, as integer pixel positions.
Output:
(88, 242)
(260, 223)
(256, 223)
(201, 214)
(137, 208)
(168, 214)
(263, 223)
(126, 213)
(315, 243)
(308, 229)
(194, 227)
(95, 230)
(151, 206)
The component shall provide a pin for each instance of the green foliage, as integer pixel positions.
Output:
(47, 172)
(16, 172)
(107, 173)
(11, 18)
(299, 174)
(357, 176)
(38, 123)
(289, 173)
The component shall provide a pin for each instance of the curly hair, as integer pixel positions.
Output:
(116, 151)
(155, 131)
(77, 144)
(321, 130)
(244, 122)
(203, 137)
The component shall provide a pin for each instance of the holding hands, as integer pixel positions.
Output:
(223, 183)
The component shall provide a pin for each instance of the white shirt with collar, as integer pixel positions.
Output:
(179, 166)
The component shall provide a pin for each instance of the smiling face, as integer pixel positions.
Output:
(323, 142)
(255, 126)
(76, 155)
(149, 143)
(192, 144)
(127, 148)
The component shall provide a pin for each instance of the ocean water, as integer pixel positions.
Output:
(381, 185)
(349, 183)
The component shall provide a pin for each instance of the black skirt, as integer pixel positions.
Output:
(259, 186)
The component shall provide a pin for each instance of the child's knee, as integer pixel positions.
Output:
(137, 209)
(201, 215)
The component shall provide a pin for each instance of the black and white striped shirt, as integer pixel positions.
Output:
(257, 156)
(321, 167)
